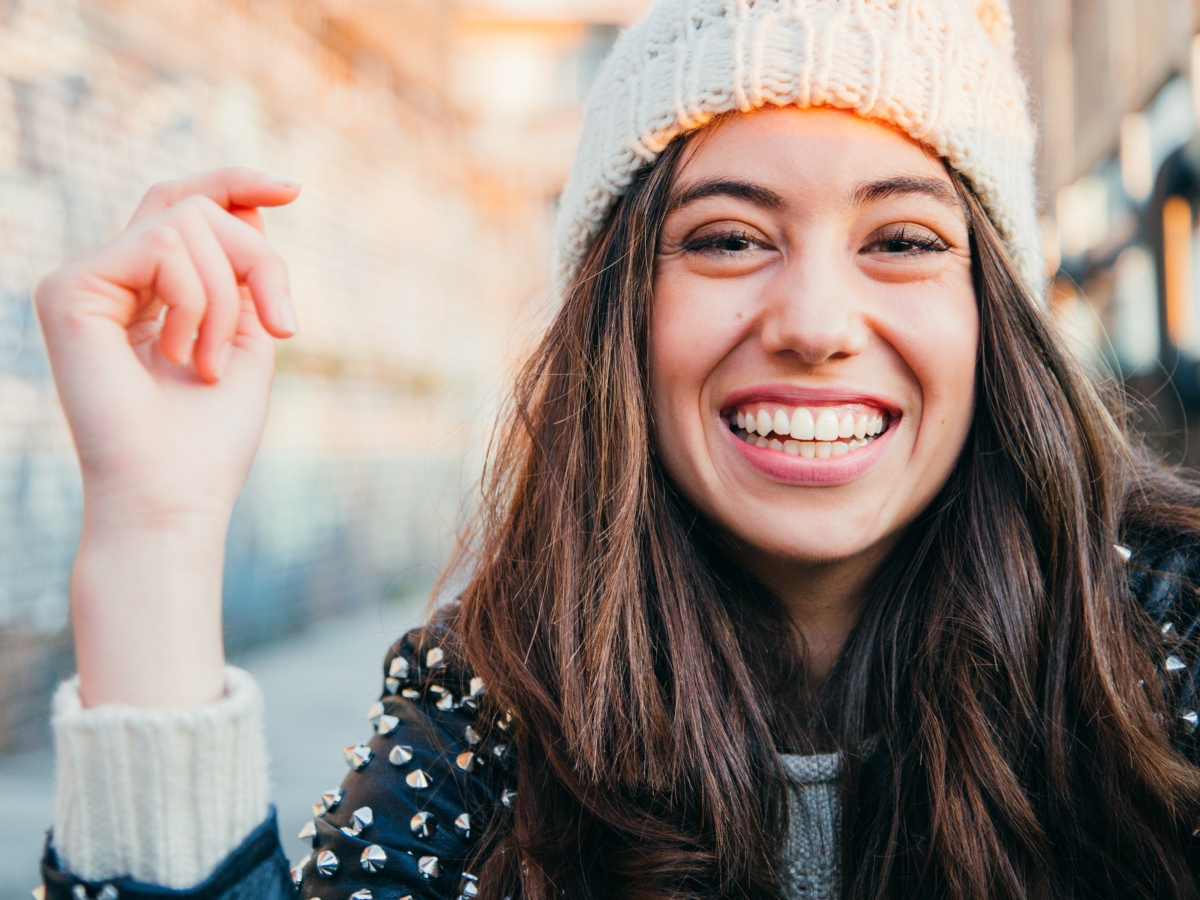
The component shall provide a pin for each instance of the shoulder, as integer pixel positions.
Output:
(437, 774)
(1163, 575)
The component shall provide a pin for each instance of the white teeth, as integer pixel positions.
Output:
(763, 422)
(775, 445)
(791, 448)
(802, 425)
(826, 426)
(750, 426)
(741, 420)
(860, 426)
(760, 441)
(839, 447)
(808, 449)
(846, 425)
(824, 448)
(780, 425)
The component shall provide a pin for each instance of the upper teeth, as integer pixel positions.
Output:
(804, 424)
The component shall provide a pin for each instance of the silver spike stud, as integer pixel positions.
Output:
(362, 894)
(1174, 664)
(375, 712)
(507, 797)
(434, 658)
(327, 864)
(309, 831)
(399, 669)
(1124, 552)
(363, 817)
(428, 866)
(387, 724)
(499, 751)
(410, 694)
(39, 892)
(504, 721)
(332, 798)
(463, 826)
(1167, 628)
(469, 889)
(1190, 719)
(471, 736)
(465, 761)
(400, 755)
(319, 809)
(79, 892)
(446, 704)
(417, 779)
(423, 824)
(374, 858)
(391, 685)
(298, 869)
(476, 688)
(108, 892)
(358, 756)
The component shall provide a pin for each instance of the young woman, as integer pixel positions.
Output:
(810, 565)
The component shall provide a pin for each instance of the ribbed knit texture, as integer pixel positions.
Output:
(159, 795)
(942, 71)
(811, 867)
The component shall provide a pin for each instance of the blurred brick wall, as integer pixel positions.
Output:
(411, 267)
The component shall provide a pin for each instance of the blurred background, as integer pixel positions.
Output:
(432, 138)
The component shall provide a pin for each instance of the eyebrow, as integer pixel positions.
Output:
(906, 184)
(863, 194)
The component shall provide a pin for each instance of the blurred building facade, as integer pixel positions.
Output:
(431, 137)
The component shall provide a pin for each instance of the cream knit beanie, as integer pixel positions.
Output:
(942, 71)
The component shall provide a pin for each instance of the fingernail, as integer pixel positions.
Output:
(287, 315)
(286, 182)
(223, 360)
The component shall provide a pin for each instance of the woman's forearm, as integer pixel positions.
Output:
(146, 604)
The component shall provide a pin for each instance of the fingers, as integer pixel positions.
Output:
(229, 188)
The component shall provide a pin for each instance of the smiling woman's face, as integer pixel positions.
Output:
(813, 334)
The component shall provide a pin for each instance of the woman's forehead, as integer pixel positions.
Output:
(814, 149)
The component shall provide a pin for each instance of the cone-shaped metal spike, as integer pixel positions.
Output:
(362, 817)
(358, 756)
(476, 689)
(364, 894)
(1124, 552)
(309, 831)
(1190, 719)
(327, 864)
(332, 798)
(428, 866)
(400, 755)
(1175, 664)
(417, 779)
(108, 892)
(318, 810)
(410, 694)
(434, 658)
(391, 685)
(387, 724)
(446, 704)
(373, 858)
(39, 892)
(465, 761)
(507, 797)
(375, 712)
(298, 869)
(423, 824)
(471, 736)
(399, 668)
(463, 825)
(469, 889)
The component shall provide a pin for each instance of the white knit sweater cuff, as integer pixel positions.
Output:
(159, 795)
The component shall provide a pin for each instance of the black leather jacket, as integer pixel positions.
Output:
(406, 820)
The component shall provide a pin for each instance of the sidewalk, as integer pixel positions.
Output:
(318, 685)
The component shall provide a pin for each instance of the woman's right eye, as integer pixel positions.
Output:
(725, 242)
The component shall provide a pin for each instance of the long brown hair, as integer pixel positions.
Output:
(997, 704)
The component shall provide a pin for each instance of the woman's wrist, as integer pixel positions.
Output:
(146, 610)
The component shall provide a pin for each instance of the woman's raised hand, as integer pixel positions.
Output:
(162, 353)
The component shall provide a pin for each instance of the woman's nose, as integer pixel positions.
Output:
(812, 310)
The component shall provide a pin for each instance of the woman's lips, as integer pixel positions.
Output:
(818, 445)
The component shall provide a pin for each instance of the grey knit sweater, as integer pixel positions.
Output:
(811, 869)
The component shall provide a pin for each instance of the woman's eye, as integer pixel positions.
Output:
(731, 242)
(906, 241)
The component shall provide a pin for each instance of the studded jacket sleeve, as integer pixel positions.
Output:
(407, 819)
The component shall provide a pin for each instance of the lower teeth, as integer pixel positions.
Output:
(805, 449)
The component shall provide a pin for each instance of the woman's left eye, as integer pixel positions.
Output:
(906, 240)
(723, 243)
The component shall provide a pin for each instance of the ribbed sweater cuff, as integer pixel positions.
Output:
(159, 795)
